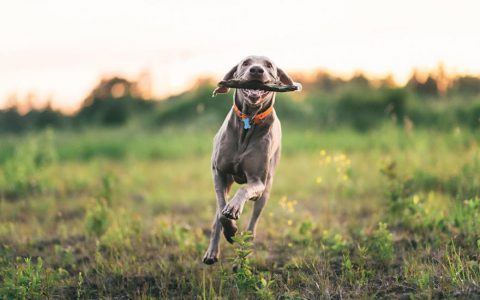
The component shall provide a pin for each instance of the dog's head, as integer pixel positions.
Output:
(258, 68)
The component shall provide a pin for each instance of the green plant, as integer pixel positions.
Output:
(380, 245)
(243, 274)
(28, 280)
(80, 282)
(23, 173)
(417, 274)
(244, 277)
(466, 217)
(354, 271)
(335, 244)
(97, 218)
(305, 233)
(460, 270)
(108, 187)
(264, 285)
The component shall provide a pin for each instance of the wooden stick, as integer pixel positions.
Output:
(257, 85)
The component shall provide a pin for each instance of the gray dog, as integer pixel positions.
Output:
(246, 149)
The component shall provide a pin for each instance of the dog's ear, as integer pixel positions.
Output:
(230, 75)
(285, 79)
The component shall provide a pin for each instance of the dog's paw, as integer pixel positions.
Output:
(210, 257)
(232, 210)
(229, 228)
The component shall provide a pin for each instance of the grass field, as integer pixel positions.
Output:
(126, 213)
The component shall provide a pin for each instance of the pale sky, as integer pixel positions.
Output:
(59, 49)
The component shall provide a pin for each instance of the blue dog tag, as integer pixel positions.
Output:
(246, 123)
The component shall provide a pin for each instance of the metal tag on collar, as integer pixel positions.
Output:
(246, 123)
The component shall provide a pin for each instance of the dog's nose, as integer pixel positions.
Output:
(256, 70)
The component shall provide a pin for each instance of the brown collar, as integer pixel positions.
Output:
(255, 119)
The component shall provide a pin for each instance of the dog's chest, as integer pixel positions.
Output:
(232, 162)
(236, 164)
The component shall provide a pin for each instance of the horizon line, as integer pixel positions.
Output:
(26, 103)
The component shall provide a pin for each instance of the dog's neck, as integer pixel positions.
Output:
(253, 110)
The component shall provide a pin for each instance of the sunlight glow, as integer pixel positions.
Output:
(58, 50)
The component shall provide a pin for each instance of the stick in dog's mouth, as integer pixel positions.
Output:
(258, 85)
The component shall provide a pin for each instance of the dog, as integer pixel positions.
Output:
(246, 149)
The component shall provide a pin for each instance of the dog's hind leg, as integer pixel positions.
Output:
(262, 200)
(222, 185)
(258, 207)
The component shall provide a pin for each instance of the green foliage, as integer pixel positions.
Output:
(108, 187)
(466, 217)
(98, 217)
(305, 233)
(355, 273)
(80, 283)
(425, 213)
(334, 243)
(28, 280)
(22, 173)
(461, 271)
(12, 121)
(121, 232)
(380, 245)
(65, 255)
(366, 108)
(325, 103)
(111, 103)
(123, 224)
(244, 275)
(418, 274)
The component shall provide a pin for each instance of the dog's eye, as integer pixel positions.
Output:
(269, 65)
(245, 63)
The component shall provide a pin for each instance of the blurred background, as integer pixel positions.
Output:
(68, 65)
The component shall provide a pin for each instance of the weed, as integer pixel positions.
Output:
(334, 243)
(28, 280)
(466, 217)
(97, 218)
(244, 277)
(417, 274)
(243, 274)
(461, 271)
(108, 187)
(80, 283)
(380, 245)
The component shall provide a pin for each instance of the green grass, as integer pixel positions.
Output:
(126, 213)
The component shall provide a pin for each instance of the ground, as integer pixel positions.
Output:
(124, 213)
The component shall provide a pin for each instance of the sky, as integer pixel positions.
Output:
(58, 50)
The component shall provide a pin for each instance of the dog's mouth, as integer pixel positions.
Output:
(254, 94)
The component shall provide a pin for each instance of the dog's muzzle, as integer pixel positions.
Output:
(255, 95)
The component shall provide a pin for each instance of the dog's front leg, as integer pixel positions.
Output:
(234, 208)
(222, 185)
